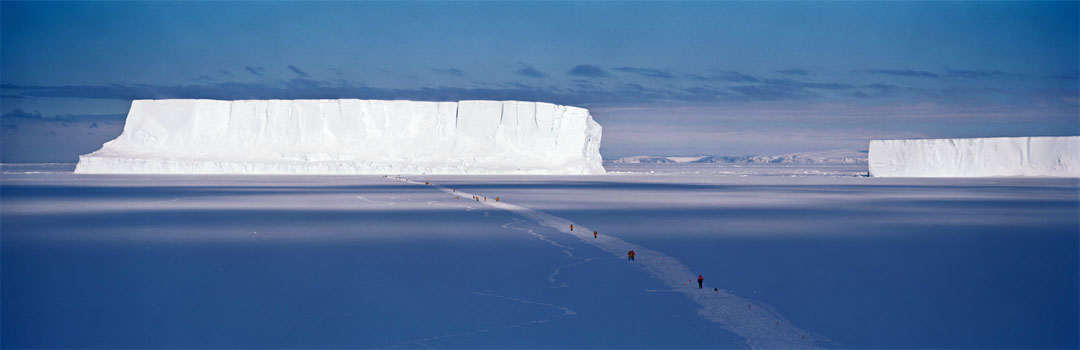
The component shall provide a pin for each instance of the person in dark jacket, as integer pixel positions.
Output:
(700, 280)
(630, 255)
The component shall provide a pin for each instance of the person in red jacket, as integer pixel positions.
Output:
(700, 280)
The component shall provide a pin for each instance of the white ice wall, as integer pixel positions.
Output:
(350, 137)
(980, 157)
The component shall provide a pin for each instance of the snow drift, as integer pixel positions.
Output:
(980, 157)
(350, 137)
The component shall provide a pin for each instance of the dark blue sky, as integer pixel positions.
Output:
(663, 78)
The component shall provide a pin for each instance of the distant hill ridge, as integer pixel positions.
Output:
(833, 156)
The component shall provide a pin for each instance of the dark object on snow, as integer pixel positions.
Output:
(630, 255)
(700, 280)
(594, 234)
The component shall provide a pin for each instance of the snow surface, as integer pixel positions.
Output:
(831, 156)
(237, 261)
(350, 136)
(977, 157)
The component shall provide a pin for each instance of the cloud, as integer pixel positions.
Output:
(296, 70)
(18, 113)
(225, 73)
(32, 137)
(449, 71)
(785, 89)
(588, 71)
(809, 85)
(973, 74)
(876, 91)
(902, 73)
(646, 72)
(722, 87)
(733, 77)
(791, 71)
(767, 92)
(529, 71)
(256, 71)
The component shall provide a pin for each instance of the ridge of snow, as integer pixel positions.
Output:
(350, 136)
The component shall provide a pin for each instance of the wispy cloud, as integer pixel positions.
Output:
(973, 74)
(21, 114)
(911, 73)
(588, 71)
(876, 91)
(298, 71)
(449, 71)
(728, 76)
(646, 72)
(529, 71)
(254, 70)
(792, 71)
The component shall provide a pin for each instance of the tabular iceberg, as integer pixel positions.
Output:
(350, 136)
(979, 157)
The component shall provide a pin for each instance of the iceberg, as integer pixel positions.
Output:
(976, 157)
(350, 136)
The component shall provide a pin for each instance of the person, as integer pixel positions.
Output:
(571, 227)
(700, 280)
(630, 255)
(594, 234)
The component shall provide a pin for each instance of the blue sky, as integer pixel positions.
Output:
(663, 78)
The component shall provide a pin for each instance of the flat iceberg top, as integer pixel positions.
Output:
(976, 157)
(350, 136)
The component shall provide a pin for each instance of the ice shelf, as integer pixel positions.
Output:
(977, 157)
(350, 136)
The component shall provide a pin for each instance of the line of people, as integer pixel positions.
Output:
(630, 255)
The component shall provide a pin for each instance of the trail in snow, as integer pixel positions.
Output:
(761, 326)
(565, 311)
(567, 250)
(375, 202)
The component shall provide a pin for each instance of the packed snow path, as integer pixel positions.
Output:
(758, 324)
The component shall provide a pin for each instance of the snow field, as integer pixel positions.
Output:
(759, 325)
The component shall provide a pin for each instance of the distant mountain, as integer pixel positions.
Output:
(834, 156)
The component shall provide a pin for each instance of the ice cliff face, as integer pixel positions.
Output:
(983, 157)
(350, 137)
